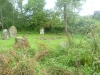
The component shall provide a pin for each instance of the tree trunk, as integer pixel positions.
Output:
(66, 25)
(65, 17)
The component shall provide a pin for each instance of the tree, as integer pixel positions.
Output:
(96, 15)
(35, 13)
(71, 9)
(6, 9)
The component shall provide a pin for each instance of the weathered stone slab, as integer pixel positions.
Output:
(42, 31)
(5, 34)
(21, 42)
(63, 44)
(13, 31)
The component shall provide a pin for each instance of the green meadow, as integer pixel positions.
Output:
(51, 40)
(70, 44)
(47, 57)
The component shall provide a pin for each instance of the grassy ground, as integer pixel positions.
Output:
(46, 57)
(51, 40)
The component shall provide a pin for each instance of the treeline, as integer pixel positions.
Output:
(32, 15)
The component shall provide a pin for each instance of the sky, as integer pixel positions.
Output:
(87, 9)
(50, 4)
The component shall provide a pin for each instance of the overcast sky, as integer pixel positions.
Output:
(88, 8)
(50, 4)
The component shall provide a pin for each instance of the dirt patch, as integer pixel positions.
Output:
(49, 38)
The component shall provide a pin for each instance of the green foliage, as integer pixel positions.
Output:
(35, 13)
(96, 15)
(6, 11)
(32, 15)
(72, 9)
(49, 58)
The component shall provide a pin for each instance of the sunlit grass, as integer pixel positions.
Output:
(46, 55)
(50, 40)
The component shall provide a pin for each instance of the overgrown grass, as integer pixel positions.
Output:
(50, 39)
(47, 57)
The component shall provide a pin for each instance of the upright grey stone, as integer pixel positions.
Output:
(5, 34)
(21, 42)
(63, 44)
(42, 31)
(13, 31)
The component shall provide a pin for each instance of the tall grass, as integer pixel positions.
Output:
(46, 57)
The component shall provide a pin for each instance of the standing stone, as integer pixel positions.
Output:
(13, 31)
(5, 34)
(21, 42)
(63, 44)
(42, 31)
